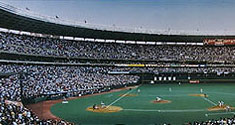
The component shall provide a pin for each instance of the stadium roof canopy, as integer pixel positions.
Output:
(24, 20)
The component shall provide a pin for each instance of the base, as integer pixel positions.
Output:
(219, 108)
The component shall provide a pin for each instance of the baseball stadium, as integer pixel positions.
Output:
(54, 71)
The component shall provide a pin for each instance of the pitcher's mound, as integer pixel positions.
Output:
(107, 109)
(160, 101)
(218, 108)
(199, 95)
(128, 95)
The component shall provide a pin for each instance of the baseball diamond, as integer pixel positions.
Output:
(182, 108)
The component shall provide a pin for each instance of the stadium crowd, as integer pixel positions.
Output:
(58, 79)
(56, 47)
(11, 114)
(221, 121)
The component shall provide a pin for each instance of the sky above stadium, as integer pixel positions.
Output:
(202, 15)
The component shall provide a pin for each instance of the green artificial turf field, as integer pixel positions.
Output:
(140, 110)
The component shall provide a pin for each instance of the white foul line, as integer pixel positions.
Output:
(155, 110)
(120, 97)
(209, 101)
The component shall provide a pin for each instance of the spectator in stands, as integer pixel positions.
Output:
(64, 48)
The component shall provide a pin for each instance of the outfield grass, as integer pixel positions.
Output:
(139, 109)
